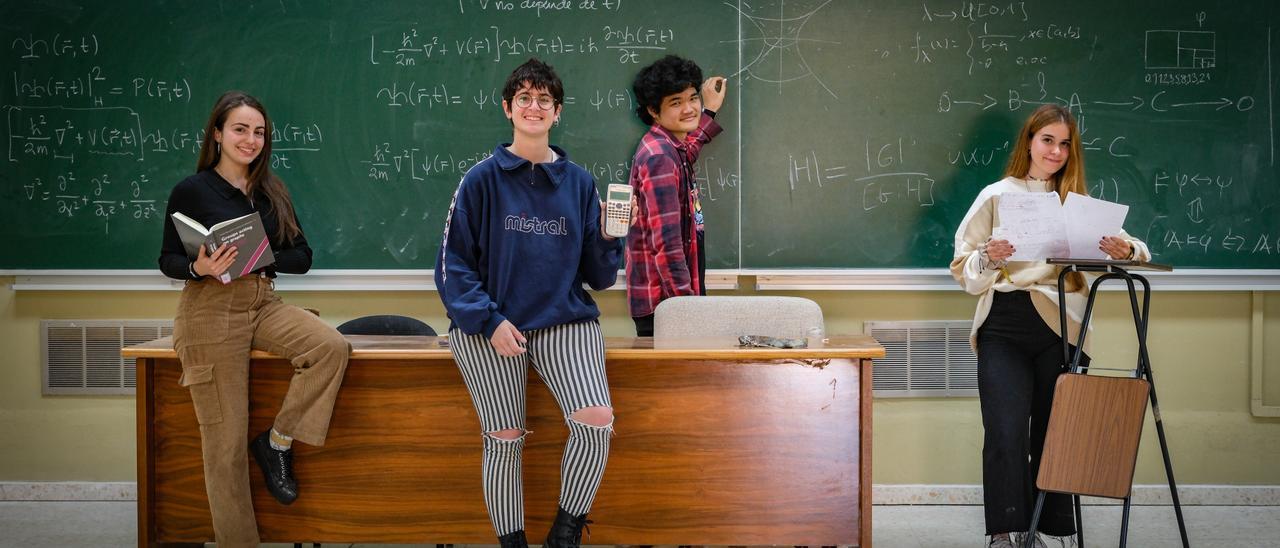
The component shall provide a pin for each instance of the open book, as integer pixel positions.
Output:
(1041, 227)
(245, 233)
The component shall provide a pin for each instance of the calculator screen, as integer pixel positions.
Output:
(619, 196)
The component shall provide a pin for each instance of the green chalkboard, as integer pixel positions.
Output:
(378, 109)
(869, 127)
(857, 132)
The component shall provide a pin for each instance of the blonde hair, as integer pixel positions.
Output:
(1068, 179)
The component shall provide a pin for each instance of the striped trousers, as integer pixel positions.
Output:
(570, 360)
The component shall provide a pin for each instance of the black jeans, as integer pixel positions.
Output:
(702, 262)
(644, 326)
(1019, 359)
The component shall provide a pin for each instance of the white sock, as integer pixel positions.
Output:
(280, 442)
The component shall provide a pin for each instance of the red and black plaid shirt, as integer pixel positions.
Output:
(662, 247)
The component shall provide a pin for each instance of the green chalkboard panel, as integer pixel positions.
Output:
(378, 110)
(869, 127)
(858, 132)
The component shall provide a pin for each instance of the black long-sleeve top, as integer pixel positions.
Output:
(209, 199)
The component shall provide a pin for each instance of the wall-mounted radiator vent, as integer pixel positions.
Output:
(924, 359)
(83, 356)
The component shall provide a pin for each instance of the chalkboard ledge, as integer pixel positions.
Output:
(316, 280)
(939, 279)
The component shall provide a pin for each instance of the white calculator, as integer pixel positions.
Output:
(618, 211)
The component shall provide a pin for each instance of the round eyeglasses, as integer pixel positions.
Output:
(545, 102)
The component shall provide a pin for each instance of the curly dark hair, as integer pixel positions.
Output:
(666, 76)
(538, 75)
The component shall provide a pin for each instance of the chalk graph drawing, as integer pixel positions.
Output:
(774, 54)
(1181, 49)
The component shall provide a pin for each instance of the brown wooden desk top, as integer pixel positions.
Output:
(616, 348)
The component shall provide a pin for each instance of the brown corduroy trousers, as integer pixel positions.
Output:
(215, 329)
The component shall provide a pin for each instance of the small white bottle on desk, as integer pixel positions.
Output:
(816, 334)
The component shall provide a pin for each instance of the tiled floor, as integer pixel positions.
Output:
(111, 524)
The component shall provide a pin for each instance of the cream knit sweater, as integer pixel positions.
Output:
(1038, 278)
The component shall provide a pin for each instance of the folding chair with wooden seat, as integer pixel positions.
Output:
(1095, 423)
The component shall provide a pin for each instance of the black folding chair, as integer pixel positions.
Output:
(386, 324)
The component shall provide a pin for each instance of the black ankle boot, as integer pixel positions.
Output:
(566, 532)
(514, 539)
(277, 468)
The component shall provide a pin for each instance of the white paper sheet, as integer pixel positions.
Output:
(1087, 220)
(1033, 223)
(1040, 227)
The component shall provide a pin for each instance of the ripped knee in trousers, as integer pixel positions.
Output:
(597, 417)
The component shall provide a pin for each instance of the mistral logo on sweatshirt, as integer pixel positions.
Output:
(534, 225)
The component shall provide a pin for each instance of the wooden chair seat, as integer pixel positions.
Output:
(1095, 424)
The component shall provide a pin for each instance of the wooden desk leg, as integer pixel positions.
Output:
(145, 414)
(864, 460)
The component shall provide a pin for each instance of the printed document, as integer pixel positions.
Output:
(1040, 227)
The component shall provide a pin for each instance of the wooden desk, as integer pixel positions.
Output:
(714, 445)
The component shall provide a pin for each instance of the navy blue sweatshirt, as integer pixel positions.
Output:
(520, 240)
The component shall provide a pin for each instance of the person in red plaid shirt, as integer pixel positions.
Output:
(665, 253)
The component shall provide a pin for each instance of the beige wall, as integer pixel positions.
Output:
(1200, 350)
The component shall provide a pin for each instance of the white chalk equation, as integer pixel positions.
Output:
(93, 87)
(808, 169)
(69, 195)
(1198, 189)
(289, 139)
(93, 84)
(71, 134)
(411, 164)
(1165, 239)
(994, 34)
(991, 33)
(57, 45)
(978, 155)
(889, 178)
(411, 47)
(57, 133)
(710, 175)
(927, 49)
(976, 11)
(629, 42)
(52, 144)
(433, 95)
(456, 96)
(1159, 101)
(396, 163)
(539, 6)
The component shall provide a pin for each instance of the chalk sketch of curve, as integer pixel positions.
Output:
(779, 43)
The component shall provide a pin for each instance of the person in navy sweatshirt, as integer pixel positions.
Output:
(524, 233)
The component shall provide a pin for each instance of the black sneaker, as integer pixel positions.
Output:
(1020, 540)
(514, 539)
(566, 531)
(277, 468)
